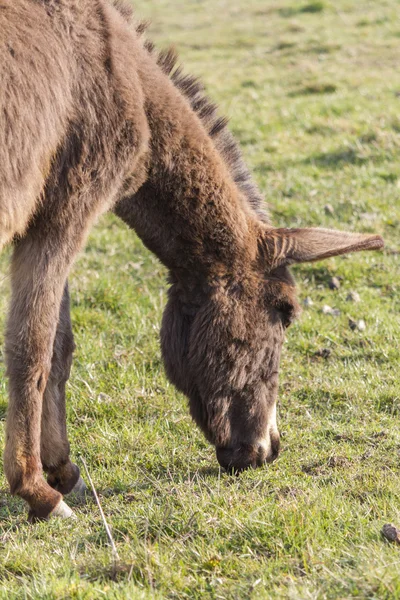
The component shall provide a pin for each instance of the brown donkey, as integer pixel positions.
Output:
(91, 120)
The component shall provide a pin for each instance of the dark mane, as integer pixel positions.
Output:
(123, 7)
(207, 111)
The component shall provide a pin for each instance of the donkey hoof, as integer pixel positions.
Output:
(63, 511)
(80, 489)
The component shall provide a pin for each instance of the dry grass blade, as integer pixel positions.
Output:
(106, 526)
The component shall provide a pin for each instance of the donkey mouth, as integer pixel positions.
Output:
(245, 456)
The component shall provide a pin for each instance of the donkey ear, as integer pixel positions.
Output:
(288, 246)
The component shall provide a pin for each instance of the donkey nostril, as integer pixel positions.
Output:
(268, 450)
(225, 457)
(244, 456)
(275, 445)
(235, 460)
(262, 455)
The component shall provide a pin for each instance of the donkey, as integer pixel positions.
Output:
(93, 119)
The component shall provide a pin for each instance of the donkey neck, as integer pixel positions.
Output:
(189, 212)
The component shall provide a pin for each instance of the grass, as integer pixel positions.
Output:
(313, 92)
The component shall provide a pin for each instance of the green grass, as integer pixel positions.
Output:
(313, 92)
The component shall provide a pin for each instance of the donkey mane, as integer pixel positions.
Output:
(216, 126)
(125, 9)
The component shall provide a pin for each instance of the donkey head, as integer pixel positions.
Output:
(221, 343)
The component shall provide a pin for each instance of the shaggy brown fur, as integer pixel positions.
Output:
(92, 119)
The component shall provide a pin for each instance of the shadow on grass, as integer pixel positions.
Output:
(310, 7)
(118, 572)
(333, 160)
(160, 478)
(321, 400)
(11, 508)
(360, 355)
(389, 404)
(316, 275)
(338, 158)
(314, 89)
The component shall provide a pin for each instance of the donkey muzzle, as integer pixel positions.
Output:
(244, 456)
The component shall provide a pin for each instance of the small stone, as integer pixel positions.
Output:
(391, 533)
(361, 326)
(334, 283)
(308, 302)
(323, 353)
(328, 310)
(353, 297)
(369, 217)
(328, 208)
(104, 398)
(352, 324)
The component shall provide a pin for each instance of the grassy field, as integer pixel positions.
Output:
(313, 92)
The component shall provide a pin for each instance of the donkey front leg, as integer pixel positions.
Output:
(38, 274)
(63, 475)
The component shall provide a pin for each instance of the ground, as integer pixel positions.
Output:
(313, 93)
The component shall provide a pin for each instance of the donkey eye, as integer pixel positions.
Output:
(287, 313)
